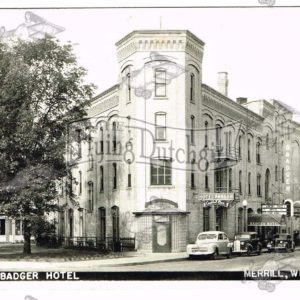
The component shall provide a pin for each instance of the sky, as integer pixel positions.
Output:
(258, 47)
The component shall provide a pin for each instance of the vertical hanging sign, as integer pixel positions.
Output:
(287, 158)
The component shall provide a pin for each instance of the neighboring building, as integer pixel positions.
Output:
(162, 140)
(10, 230)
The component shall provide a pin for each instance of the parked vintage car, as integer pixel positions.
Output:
(210, 243)
(284, 242)
(271, 243)
(246, 242)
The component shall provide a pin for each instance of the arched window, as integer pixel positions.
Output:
(249, 150)
(276, 173)
(267, 184)
(240, 183)
(192, 87)
(115, 222)
(115, 176)
(258, 185)
(102, 220)
(249, 183)
(193, 174)
(101, 140)
(114, 133)
(267, 141)
(80, 182)
(91, 196)
(240, 147)
(258, 152)
(229, 142)
(128, 90)
(230, 180)
(192, 129)
(282, 175)
(206, 134)
(101, 179)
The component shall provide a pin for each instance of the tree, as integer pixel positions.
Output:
(42, 91)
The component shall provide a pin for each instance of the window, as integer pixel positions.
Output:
(101, 140)
(218, 135)
(193, 175)
(91, 196)
(101, 179)
(192, 88)
(128, 83)
(160, 83)
(79, 143)
(249, 150)
(160, 126)
(267, 184)
(267, 141)
(276, 173)
(258, 153)
(282, 175)
(282, 147)
(206, 182)
(114, 176)
(114, 133)
(129, 174)
(249, 183)
(258, 185)
(161, 172)
(240, 147)
(240, 183)
(206, 135)
(115, 212)
(206, 218)
(102, 217)
(230, 180)
(229, 144)
(80, 182)
(192, 129)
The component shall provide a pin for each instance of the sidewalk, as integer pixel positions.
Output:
(129, 259)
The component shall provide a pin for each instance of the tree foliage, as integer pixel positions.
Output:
(42, 91)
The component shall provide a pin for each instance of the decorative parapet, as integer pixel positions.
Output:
(159, 40)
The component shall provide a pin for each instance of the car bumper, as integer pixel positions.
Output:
(239, 251)
(198, 252)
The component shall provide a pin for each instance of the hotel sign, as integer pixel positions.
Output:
(220, 199)
(274, 209)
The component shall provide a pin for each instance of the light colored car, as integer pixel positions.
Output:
(210, 243)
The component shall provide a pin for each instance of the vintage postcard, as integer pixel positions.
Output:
(150, 143)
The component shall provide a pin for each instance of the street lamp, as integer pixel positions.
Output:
(245, 203)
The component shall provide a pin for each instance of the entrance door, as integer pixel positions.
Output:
(2, 226)
(162, 237)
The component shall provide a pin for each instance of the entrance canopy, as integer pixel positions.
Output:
(265, 220)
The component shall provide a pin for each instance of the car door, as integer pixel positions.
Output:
(221, 243)
(226, 241)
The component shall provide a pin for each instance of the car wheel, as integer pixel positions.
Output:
(215, 254)
(258, 250)
(248, 250)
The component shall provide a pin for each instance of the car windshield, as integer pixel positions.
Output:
(207, 236)
(242, 237)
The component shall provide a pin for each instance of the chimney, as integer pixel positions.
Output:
(241, 100)
(223, 83)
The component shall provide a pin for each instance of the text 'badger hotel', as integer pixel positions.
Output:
(169, 157)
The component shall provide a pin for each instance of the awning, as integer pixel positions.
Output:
(266, 220)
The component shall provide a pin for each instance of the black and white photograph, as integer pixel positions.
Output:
(150, 143)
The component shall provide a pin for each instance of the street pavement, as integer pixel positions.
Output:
(135, 261)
